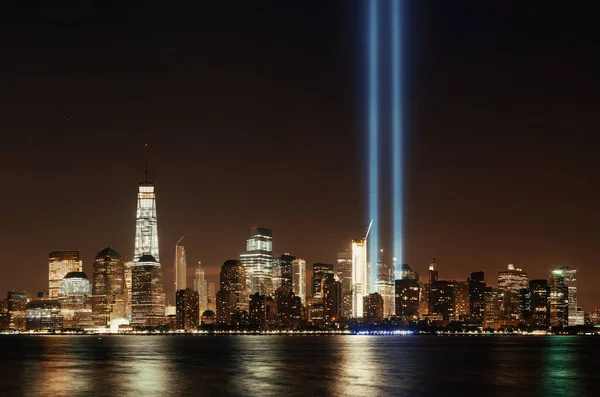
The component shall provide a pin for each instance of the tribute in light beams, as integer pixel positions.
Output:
(373, 80)
(397, 104)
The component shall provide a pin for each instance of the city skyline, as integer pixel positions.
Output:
(500, 166)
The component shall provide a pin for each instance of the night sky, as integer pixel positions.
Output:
(255, 115)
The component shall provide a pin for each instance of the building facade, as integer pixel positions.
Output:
(187, 309)
(258, 261)
(108, 287)
(360, 276)
(299, 279)
(60, 263)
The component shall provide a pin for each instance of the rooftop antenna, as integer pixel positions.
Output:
(177, 243)
(369, 229)
(146, 152)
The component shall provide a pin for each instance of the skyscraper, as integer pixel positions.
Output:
(407, 299)
(17, 310)
(187, 316)
(461, 300)
(108, 287)
(299, 279)
(360, 276)
(75, 303)
(233, 296)
(258, 261)
(373, 310)
(331, 291)
(385, 285)
(147, 296)
(320, 270)
(201, 286)
(510, 283)
(539, 309)
(180, 266)
(283, 271)
(433, 277)
(146, 224)
(344, 271)
(476, 296)
(563, 297)
(61, 263)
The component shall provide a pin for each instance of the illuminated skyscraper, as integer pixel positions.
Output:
(344, 271)
(61, 263)
(539, 309)
(320, 271)
(258, 261)
(373, 310)
(186, 301)
(433, 277)
(299, 279)
(563, 297)
(461, 300)
(476, 296)
(108, 287)
(283, 271)
(232, 297)
(146, 224)
(385, 285)
(75, 302)
(201, 286)
(360, 276)
(17, 310)
(510, 283)
(407, 299)
(180, 266)
(147, 296)
(331, 292)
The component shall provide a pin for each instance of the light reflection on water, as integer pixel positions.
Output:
(298, 366)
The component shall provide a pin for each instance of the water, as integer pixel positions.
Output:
(299, 366)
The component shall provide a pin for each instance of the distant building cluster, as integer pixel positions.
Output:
(263, 291)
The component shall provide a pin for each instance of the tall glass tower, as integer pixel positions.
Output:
(147, 295)
(258, 261)
(146, 226)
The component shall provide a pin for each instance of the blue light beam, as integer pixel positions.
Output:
(373, 54)
(397, 135)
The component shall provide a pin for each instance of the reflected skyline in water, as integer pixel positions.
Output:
(298, 365)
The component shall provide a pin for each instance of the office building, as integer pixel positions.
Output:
(258, 311)
(343, 270)
(407, 299)
(331, 292)
(492, 306)
(180, 267)
(17, 307)
(477, 288)
(405, 272)
(283, 272)
(360, 276)
(60, 263)
(44, 315)
(147, 296)
(373, 308)
(108, 287)
(462, 303)
(258, 261)
(563, 297)
(433, 277)
(201, 286)
(320, 271)
(299, 279)
(510, 282)
(187, 309)
(385, 285)
(75, 301)
(540, 304)
(442, 299)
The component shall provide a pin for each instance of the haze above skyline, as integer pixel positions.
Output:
(255, 116)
